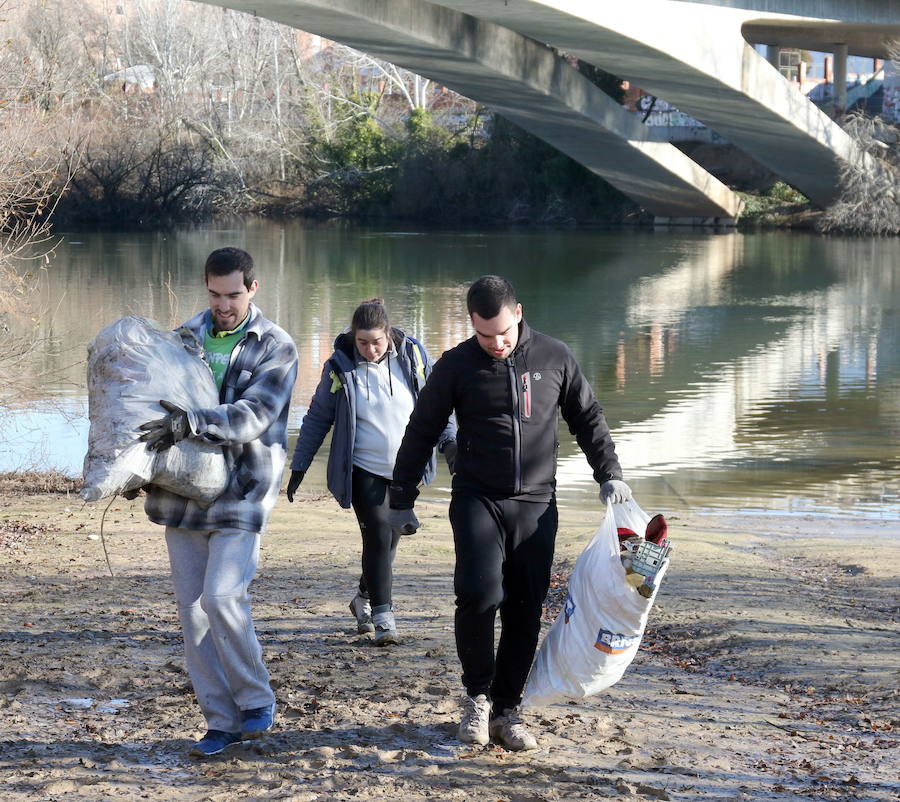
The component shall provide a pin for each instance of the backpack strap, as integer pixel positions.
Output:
(416, 353)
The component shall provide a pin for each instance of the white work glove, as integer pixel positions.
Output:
(616, 491)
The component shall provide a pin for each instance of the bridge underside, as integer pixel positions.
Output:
(861, 39)
(693, 55)
(525, 82)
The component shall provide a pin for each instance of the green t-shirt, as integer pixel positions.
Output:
(218, 349)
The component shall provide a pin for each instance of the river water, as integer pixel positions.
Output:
(751, 372)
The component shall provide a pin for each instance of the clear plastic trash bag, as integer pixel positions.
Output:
(132, 365)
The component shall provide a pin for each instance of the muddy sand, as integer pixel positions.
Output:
(769, 670)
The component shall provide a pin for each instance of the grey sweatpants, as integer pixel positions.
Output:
(211, 572)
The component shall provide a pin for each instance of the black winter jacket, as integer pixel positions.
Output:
(507, 418)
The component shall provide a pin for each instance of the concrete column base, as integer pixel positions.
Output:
(695, 222)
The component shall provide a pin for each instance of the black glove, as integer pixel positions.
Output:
(402, 497)
(294, 483)
(162, 433)
(449, 452)
(403, 522)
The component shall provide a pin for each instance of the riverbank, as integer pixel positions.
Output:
(768, 671)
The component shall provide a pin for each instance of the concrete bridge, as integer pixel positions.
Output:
(692, 53)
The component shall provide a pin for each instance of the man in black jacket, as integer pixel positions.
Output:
(507, 385)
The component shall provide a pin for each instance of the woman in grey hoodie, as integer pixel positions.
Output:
(368, 389)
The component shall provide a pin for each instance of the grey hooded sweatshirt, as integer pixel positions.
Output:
(334, 404)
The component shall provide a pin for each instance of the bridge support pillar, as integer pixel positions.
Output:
(840, 80)
(694, 222)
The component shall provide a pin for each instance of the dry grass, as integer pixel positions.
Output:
(27, 483)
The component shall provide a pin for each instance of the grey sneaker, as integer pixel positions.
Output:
(385, 628)
(510, 730)
(362, 610)
(473, 729)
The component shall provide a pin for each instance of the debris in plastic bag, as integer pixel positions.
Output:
(658, 530)
(132, 365)
(643, 564)
(644, 558)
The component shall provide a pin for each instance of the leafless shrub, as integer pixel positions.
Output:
(30, 178)
(869, 201)
(146, 176)
(30, 174)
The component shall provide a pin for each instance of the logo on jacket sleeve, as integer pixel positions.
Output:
(569, 609)
(613, 643)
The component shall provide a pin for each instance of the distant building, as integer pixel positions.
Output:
(139, 78)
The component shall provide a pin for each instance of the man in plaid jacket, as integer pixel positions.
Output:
(213, 551)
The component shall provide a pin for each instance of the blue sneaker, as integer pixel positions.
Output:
(257, 721)
(214, 742)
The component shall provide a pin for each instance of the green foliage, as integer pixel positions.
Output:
(423, 134)
(426, 173)
(513, 177)
(776, 206)
(359, 141)
(360, 158)
(784, 193)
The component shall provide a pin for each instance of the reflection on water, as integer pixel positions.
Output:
(739, 371)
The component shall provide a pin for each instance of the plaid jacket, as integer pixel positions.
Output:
(250, 424)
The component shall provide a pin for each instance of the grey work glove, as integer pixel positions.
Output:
(294, 483)
(616, 491)
(162, 433)
(449, 452)
(403, 522)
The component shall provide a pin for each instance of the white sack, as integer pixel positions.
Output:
(132, 365)
(597, 633)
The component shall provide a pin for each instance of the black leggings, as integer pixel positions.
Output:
(504, 551)
(370, 503)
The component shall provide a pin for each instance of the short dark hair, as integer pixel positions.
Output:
(224, 261)
(488, 295)
(370, 315)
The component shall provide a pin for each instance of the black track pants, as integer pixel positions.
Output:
(370, 503)
(504, 550)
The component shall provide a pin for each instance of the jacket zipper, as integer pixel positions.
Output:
(517, 425)
(346, 380)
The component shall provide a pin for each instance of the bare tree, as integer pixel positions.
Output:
(869, 201)
(29, 176)
(248, 95)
